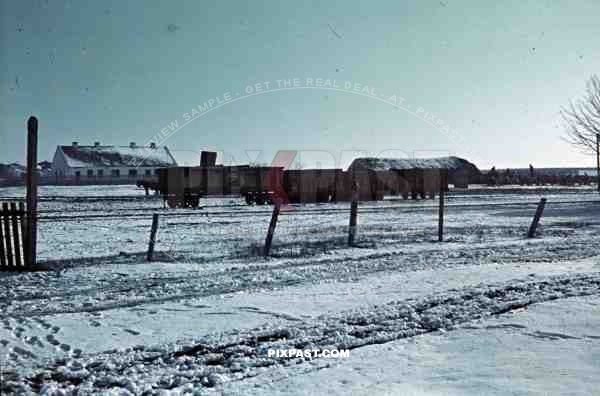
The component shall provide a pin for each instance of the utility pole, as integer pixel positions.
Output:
(32, 184)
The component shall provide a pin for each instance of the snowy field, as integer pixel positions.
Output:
(485, 312)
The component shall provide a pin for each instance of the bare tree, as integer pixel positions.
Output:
(583, 118)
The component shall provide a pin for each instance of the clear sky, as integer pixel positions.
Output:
(494, 73)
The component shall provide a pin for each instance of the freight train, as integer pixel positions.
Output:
(183, 186)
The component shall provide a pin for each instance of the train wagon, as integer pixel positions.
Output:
(372, 185)
(183, 186)
(421, 183)
(260, 184)
(310, 185)
(180, 186)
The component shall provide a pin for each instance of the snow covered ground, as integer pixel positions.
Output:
(486, 312)
(551, 348)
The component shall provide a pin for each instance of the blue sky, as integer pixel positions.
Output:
(497, 73)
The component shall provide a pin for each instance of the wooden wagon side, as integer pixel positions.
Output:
(310, 185)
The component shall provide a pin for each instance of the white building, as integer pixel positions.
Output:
(107, 163)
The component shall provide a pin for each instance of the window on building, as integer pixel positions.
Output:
(90, 173)
(77, 173)
(148, 172)
(115, 173)
(132, 172)
(156, 171)
(100, 172)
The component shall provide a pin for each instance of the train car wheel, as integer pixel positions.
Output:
(172, 202)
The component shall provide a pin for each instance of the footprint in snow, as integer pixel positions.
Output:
(43, 324)
(50, 338)
(34, 341)
(24, 353)
(132, 331)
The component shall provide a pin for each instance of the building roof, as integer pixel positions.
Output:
(12, 170)
(116, 156)
(451, 163)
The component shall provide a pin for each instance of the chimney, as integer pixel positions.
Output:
(96, 144)
(152, 145)
(75, 144)
(132, 144)
(208, 158)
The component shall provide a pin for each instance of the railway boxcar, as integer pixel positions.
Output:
(422, 182)
(343, 187)
(310, 185)
(259, 184)
(372, 185)
(180, 186)
(183, 186)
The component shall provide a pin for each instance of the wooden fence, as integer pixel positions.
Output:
(12, 235)
(18, 227)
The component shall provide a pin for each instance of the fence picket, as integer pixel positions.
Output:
(15, 232)
(23, 230)
(7, 236)
(2, 250)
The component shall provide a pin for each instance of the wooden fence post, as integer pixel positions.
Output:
(152, 241)
(353, 214)
(443, 184)
(536, 218)
(272, 225)
(32, 180)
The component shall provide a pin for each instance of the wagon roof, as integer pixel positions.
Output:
(123, 156)
(375, 163)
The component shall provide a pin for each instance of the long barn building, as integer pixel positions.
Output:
(460, 171)
(108, 164)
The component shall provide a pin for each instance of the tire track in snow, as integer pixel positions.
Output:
(239, 355)
(128, 292)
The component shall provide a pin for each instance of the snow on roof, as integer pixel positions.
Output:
(410, 163)
(97, 156)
